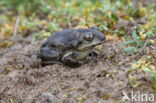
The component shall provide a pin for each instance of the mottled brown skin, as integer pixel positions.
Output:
(72, 47)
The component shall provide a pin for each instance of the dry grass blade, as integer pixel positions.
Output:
(15, 28)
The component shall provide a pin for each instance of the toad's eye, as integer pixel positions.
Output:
(89, 37)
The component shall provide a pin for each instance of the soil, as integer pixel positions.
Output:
(105, 79)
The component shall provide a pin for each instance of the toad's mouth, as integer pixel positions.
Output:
(87, 46)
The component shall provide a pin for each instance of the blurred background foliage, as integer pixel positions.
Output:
(53, 15)
(125, 20)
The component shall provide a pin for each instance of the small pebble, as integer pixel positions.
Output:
(47, 98)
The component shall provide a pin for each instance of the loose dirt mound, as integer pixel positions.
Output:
(103, 79)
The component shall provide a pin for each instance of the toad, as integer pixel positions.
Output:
(71, 47)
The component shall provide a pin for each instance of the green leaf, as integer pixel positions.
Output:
(115, 17)
(149, 34)
(127, 38)
(38, 34)
(135, 12)
(139, 43)
(134, 34)
(33, 39)
(130, 49)
(93, 1)
(104, 28)
(146, 69)
(154, 30)
(128, 42)
(153, 76)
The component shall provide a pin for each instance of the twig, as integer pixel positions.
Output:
(146, 43)
(15, 28)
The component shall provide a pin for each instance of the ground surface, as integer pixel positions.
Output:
(21, 82)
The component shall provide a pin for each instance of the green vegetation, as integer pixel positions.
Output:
(62, 13)
(143, 65)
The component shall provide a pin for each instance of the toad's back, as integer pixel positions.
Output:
(63, 38)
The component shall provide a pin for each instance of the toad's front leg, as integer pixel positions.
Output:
(70, 59)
